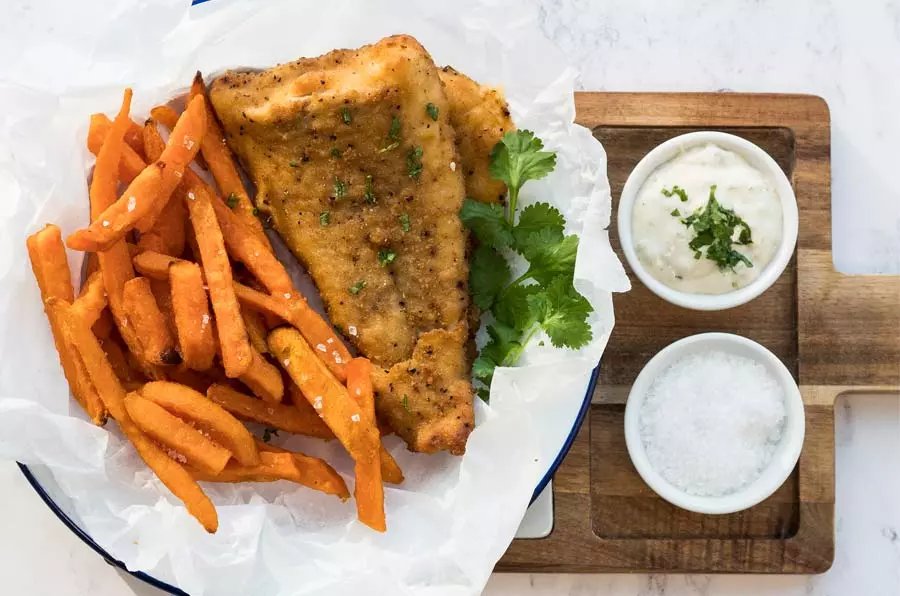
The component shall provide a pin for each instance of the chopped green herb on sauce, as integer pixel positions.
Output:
(714, 228)
(386, 256)
(676, 190)
(340, 188)
(414, 162)
(369, 192)
(432, 110)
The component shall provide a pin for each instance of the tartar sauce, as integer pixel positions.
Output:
(662, 240)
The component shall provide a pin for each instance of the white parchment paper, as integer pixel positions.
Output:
(453, 517)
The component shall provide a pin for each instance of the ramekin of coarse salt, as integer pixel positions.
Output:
(714, 423)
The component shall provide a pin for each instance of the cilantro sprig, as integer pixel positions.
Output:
(543, 298)
(714, 228)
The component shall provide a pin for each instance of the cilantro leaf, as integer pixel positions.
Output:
(549, 260)
(537, 218)
(488, 275)
(513, 308)
(487, 222)
(562, 313)
(483, 369)
(518, 158)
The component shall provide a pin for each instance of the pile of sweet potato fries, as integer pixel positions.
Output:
(186, 310)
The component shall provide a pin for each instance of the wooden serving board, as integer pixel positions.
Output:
(837, 333)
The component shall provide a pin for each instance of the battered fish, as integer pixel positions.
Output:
(480, 117)
(357, 177)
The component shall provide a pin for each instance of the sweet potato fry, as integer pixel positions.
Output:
(369, 490)
(263, 379)
(277, 416)
(167, 235)
(50, 264)
(326, 394)
(161, 227)
(221, 164)
(115, 263)
(176, 479)
(165, 115)
(235, 346)
(131, 164)
(257, 330)
(175, 433)
(297, 312)
(51, 269)
(306, 410)
(244, 245)
(153, 185)
(163, 296)
(104, 325)
(92, 300)
(115, 355)
(294, 467)
(192, 319)
(134, 139)
(158, 345)
(154, 265)
(83, 389)
(359, 385)
(211, 418)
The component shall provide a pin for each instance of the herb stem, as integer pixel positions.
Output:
(517, 352)
(513, 200)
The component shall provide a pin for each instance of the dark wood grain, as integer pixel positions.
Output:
(834, 332)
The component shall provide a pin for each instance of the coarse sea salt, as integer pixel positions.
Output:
(710, 422)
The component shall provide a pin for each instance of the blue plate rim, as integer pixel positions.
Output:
(170, 589)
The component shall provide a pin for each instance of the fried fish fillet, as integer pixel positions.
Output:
(480, 117)
(357, 177)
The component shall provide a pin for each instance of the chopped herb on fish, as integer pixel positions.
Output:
(357, 287)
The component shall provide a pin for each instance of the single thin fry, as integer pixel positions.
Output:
(50, 264)
(115, 355)
(257, 330)
(131, 163)
(359, 385)
(192, 318)
(165, 115)
(221, 164)
(163, 295)
(263, 379)
(154, 265)
(294, 310)
(369, 490)
(245, 246)
(92, 300)
(326, 394)
(294, 467)
(62, 322)
(115, 263)
(188, 404)
(158, 345)
(133, 138)
(235, 346)
(176, 479)
(175, 433)
(153, 185)
(162, 229)
(273, 415)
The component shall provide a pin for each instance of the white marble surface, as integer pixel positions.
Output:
(847, 51)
